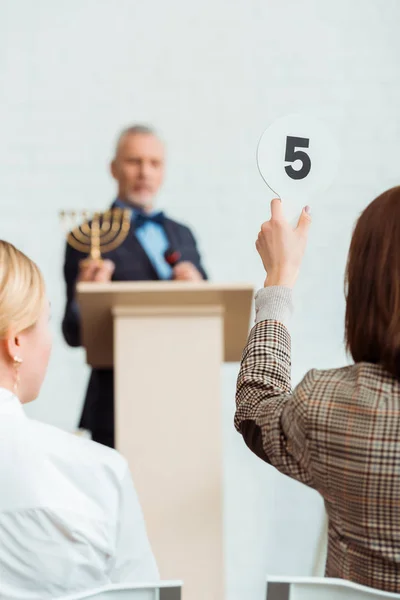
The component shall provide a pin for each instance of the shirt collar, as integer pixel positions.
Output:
(10, 404)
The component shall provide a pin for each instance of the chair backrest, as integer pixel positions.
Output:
(321, 588)
(162, 590)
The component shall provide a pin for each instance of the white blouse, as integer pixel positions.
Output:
(70, 519)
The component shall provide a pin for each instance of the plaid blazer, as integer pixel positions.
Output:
(338, 432)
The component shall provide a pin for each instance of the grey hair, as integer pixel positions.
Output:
(135, 130)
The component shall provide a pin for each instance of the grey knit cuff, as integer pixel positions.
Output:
(274, 303)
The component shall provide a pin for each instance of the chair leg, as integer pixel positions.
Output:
(278, 591)
(170, 593)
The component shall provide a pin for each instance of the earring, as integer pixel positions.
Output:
(17, 364)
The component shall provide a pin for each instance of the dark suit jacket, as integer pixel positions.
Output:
(131, 264)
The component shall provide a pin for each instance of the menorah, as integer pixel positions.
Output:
(98, 233)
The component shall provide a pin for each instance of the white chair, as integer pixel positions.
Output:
(162, 590)
(321, 588)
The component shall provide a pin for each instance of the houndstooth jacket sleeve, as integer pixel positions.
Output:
(271, 418)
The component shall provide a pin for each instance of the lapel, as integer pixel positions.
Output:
(171, 231)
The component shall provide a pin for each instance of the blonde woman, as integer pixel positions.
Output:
(70, 519)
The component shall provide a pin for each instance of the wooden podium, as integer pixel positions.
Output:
(167, 341)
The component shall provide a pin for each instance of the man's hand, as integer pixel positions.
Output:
(281, 247)
(186, 271)
(94, 270)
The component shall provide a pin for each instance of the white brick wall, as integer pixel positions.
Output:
(211, 75)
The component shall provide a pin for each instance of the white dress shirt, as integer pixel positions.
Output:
(70, 519)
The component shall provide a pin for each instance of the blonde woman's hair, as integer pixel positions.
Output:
(22, 290)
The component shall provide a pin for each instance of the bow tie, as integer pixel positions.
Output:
(141, 219)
